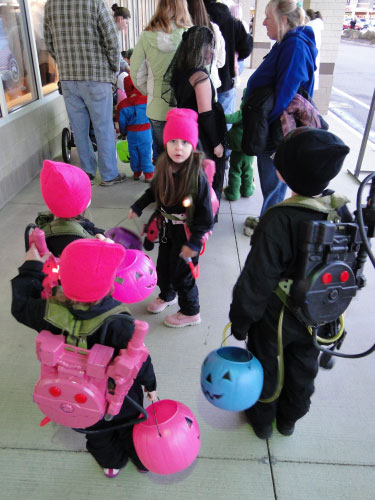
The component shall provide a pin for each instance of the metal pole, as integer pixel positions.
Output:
(365, 136)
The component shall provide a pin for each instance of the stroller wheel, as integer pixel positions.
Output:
(66, 146)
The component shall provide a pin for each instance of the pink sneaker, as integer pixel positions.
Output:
(158, 305)
(179, 320)
(111, 473)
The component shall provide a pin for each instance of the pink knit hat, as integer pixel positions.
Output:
(88, 268)
(182, 124)
(66, 189)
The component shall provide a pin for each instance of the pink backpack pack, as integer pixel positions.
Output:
(72, 389)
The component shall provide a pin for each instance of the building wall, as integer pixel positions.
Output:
(27, 138)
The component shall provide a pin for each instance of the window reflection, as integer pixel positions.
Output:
(15, 65)
(47, 65)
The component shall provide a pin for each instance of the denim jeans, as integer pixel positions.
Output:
(227, 99)
(85, 100)
(273, 189)
(157, 130)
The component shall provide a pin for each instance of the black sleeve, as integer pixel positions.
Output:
(90, 227)
(146, 376)
(244, 41)
(146, 199)
(266, 263)
(27, 305)
(209, 126)
(203, 219)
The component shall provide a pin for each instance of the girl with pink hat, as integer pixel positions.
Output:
(66, 190)
(87, 273)
(181, 190)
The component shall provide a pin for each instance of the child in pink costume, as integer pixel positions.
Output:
(87, 273)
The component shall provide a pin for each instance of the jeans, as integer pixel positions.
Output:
(227, 99)
(157, 130)
(85, 100)
(273, 189)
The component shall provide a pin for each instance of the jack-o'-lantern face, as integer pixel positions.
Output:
(231, 378)
(136, 277)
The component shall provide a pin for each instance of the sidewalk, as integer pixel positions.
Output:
(331, 454)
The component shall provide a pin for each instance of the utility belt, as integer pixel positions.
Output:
(174, 218)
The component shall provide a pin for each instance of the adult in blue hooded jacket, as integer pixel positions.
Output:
(289, 65)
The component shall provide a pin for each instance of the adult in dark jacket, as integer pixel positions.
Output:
(236, 40)
(87, 272)
(307, 160)
(289, 65)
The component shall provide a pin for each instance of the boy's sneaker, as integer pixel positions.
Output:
(285, 429)
(137, 176)
(251, 222)
(158, 305)
(149, 176)
(179, 320)
(116, 180)
(111, 473)
(142, 471)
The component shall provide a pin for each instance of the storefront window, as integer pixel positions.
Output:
(15, 67)
(47, 65)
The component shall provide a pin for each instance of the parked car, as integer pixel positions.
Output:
(346, 26)
(9, 69)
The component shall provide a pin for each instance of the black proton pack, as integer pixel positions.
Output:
(329, 271)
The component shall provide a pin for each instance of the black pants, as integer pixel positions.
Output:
(300, 365)
(113, 449)
(174, 274)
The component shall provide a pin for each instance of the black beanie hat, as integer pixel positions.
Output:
(308, 158)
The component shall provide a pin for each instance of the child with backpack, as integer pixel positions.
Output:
(241, 172)
(179, 182)
(66, 190)
(87, 273)
(306, 160)
(133, 122)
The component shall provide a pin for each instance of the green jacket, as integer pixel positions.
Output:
(149, 62)
(236, 132)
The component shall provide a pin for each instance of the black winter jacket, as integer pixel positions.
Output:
(236, 40)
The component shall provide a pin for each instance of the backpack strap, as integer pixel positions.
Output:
(325, 204)
(77, 330)
(63, 227)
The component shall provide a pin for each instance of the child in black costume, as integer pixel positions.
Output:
(307, 160)
(66, 190)
(87, 273)
(178, 170)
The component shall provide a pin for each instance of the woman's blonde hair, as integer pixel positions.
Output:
(169, 11)
(293, 12)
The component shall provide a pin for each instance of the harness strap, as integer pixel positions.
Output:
(77, 330)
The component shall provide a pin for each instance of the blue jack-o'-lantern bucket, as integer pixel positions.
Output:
(232, 378)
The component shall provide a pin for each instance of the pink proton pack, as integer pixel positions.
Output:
(72, 389)
(50, 266)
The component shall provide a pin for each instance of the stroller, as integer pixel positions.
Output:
(67, 137)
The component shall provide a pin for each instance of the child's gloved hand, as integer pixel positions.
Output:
(132, 214)
(187, 252)
(152, 396)
(101, 237)
(33, 254)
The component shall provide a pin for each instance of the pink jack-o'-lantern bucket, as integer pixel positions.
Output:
(169, 443)
(135, 278)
